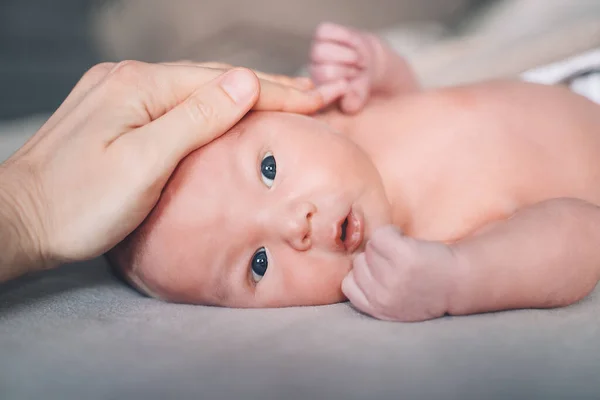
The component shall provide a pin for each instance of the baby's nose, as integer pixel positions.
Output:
(297, 225)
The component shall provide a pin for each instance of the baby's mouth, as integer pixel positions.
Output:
(344, 227)
(351, 232)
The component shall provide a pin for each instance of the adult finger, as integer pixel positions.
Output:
(276, 97)
(273, 96)
(206, 114)
(326, 72)
(301, 83)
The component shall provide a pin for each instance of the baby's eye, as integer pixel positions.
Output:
(268, 169)
(259, 264)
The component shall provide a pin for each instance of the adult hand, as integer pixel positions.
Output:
(95, 170)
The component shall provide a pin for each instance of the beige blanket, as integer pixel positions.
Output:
(505, 40)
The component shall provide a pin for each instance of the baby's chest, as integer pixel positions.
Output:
(446, 195)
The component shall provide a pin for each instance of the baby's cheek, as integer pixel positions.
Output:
(311, 280)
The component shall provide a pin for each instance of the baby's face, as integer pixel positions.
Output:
(269, 215)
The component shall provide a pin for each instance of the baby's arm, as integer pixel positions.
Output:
(352, 65)
(546, 255)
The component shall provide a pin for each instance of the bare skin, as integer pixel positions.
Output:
(495, 186)
(464, 200)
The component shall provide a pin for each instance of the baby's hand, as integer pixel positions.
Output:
(398, 278)
(345, 64)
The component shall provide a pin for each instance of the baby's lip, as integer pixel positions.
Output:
(354, 231)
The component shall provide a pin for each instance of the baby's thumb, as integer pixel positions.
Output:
(206, 114)
(357, 96)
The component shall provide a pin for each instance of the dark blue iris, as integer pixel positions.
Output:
(268, 167)
(260, 262)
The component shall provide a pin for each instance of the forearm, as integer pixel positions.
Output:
(547, 255)
(19, 253)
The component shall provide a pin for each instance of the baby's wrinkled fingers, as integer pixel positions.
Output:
(388, 241)
(357, 95)
(381, 267)
(327, 72)
(336, 33)
(328, 52)
(352, 291)
(331, 92)
(363, 276)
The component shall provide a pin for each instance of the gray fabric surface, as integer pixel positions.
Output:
(79, 333)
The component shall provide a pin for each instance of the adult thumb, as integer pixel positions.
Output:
(206, 114)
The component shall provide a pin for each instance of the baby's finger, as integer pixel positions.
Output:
(388, 241)
(357, 96)
(327, 72)
(328, 31)
(331, 92)
(355, 295)
(327, 52)
(362, 275)
(380, 267)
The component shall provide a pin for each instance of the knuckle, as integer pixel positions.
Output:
(382, 299)
(199, 111)
(99, 70)
(360, 260)
(127, 71)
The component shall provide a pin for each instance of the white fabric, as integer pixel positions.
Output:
(587, 85)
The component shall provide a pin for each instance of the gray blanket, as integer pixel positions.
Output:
(79, 333)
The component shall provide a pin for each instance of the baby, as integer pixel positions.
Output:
(412, 204)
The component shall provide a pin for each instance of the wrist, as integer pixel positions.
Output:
(21, 245)
(460, 297)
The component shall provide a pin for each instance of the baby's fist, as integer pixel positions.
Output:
(343, 64)
(401, 279)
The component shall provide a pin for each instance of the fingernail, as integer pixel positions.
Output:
(240, 85)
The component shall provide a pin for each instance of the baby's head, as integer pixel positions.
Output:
(269, 215)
